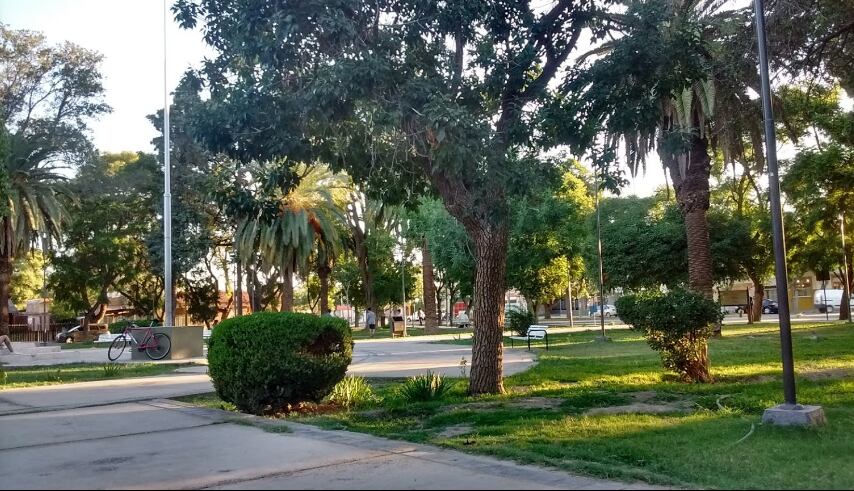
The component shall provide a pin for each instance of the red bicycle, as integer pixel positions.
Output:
(155, 345)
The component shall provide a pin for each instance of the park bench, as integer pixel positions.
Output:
(535, 333)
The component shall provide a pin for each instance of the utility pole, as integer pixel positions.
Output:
(790, 413)
(167, 184)
(601, 263)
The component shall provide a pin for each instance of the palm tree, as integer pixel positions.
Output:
(655, 90)
(29, 208)
(286, 228)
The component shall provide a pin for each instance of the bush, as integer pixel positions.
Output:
(119, 327)
(423, 388)
(518, 321)
(353, 392)
(264, 362)
(678, 325)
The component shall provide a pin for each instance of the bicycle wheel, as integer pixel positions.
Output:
(117, 348)
(161, 348)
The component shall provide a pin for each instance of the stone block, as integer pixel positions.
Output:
(794, 415)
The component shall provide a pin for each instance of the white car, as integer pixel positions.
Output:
(831, 302)
(610, 311)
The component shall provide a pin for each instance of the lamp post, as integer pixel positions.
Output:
(603, 337)
(167, 185)
(790, 413)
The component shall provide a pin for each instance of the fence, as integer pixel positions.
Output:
(21, 333)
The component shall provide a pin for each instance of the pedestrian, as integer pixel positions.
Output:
(420, 317)
(8, 342)
(371, 321)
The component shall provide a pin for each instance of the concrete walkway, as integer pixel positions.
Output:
(372, 358)
(165, 445)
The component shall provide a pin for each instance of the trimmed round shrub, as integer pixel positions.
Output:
(678, 325)
(265, 362)
(518, 321)
(119, 327)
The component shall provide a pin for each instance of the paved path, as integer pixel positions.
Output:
(374, 358)
(165, 445)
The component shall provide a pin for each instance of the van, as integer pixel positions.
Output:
(831, 302)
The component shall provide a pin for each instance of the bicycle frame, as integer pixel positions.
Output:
(148, 340)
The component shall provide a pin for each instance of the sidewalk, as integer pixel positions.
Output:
(166, 445)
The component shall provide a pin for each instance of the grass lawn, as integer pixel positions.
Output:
(20, 377)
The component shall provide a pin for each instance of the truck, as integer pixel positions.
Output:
(831, 302)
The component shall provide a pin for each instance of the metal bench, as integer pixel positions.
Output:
(536, 333)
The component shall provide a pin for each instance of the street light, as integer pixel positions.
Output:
(790, 413)
(601, 263)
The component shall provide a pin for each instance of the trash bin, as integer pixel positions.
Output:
(398, 327)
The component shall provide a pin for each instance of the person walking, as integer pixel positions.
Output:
(371, 321)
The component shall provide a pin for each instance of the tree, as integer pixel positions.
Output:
(48, 93)
(201, 298)
(813, 38)
(643, 243)
(28, 278)
(103, 245)
(657, 88)
(548, 230)
(197, 221)
(285, 227)
(817, 183)
(399, 94)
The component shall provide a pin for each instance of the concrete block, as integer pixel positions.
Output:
(794, 415)
(187, 342)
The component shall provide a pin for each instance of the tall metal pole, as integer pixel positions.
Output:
(846, 289)
(780, 269)
(167, 183)
(403, 290)
(601, 263)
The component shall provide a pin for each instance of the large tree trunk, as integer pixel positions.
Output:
(690, 174)
(845, 304)
(287, 304)
(238, 290)
(323, 271)
(5, 280)
(431, 323)
(365, 270)
(489, 288)
(758, 297)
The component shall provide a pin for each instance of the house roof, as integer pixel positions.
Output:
(12, 308)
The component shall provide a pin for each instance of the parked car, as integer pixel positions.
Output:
(769, 306)
(610, 310)
(66, 335)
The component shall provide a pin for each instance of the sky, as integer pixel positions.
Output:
(129, 33)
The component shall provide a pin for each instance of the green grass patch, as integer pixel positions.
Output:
(550, 414)
(209, 400)
(17, 378)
